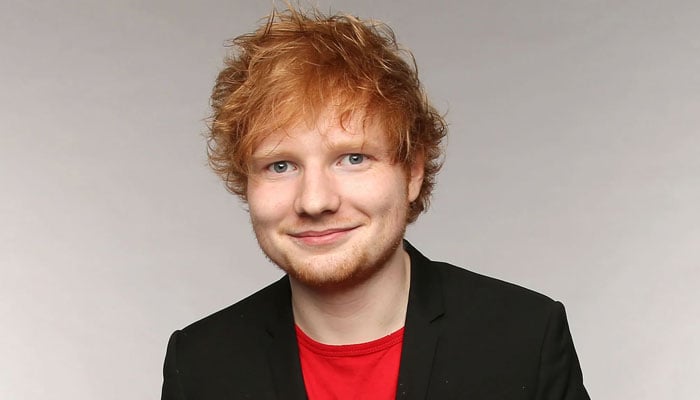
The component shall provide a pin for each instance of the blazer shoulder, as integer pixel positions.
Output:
(250, 313)
(226, 353)
(488, 324)
(441, 286)
(457, 280)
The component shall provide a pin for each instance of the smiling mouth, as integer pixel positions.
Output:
(324, 237)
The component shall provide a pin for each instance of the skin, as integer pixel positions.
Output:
(328, 206)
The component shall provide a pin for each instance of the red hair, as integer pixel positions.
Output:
(294, 66)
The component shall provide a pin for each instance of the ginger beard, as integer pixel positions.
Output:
(352, 264)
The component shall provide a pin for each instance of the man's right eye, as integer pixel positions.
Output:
(279, 167)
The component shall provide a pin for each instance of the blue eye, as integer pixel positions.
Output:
(279, 167)
(356, 158)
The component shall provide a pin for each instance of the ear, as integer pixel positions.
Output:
(415, 178)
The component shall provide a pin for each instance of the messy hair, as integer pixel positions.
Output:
(297, 64)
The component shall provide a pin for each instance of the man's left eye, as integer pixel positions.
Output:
(354, 158)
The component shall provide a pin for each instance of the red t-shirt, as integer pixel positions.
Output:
(367, 371)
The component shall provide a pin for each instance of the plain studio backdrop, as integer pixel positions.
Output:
(573, 168)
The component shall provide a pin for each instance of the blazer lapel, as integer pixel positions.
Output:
(283, 352)
(425, 307)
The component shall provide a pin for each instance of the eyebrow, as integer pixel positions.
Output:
(273, 154)
(351, 143)
(266, 151)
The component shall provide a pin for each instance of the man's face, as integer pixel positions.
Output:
(327, 204)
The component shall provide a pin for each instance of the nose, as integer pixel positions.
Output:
(317, 193)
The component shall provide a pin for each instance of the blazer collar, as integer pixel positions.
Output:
(425, 307)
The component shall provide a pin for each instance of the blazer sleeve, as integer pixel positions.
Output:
(560, 376)
(172, 388)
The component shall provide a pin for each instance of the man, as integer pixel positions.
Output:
(322, 127)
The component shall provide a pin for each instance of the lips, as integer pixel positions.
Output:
(323, 237)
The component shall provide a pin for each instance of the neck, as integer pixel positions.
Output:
(359, 313)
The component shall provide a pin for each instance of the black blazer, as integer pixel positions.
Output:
(466, 336)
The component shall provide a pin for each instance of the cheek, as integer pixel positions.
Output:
(382, 193)
(267, 203)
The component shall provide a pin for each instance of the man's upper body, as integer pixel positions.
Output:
(466, 336)
(321, 126)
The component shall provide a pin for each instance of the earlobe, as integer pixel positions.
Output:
(415, 180)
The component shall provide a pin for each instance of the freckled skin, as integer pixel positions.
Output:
(328, 205)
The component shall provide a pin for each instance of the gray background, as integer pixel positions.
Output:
(573, 168)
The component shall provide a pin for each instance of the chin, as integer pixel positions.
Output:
(350, 268)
